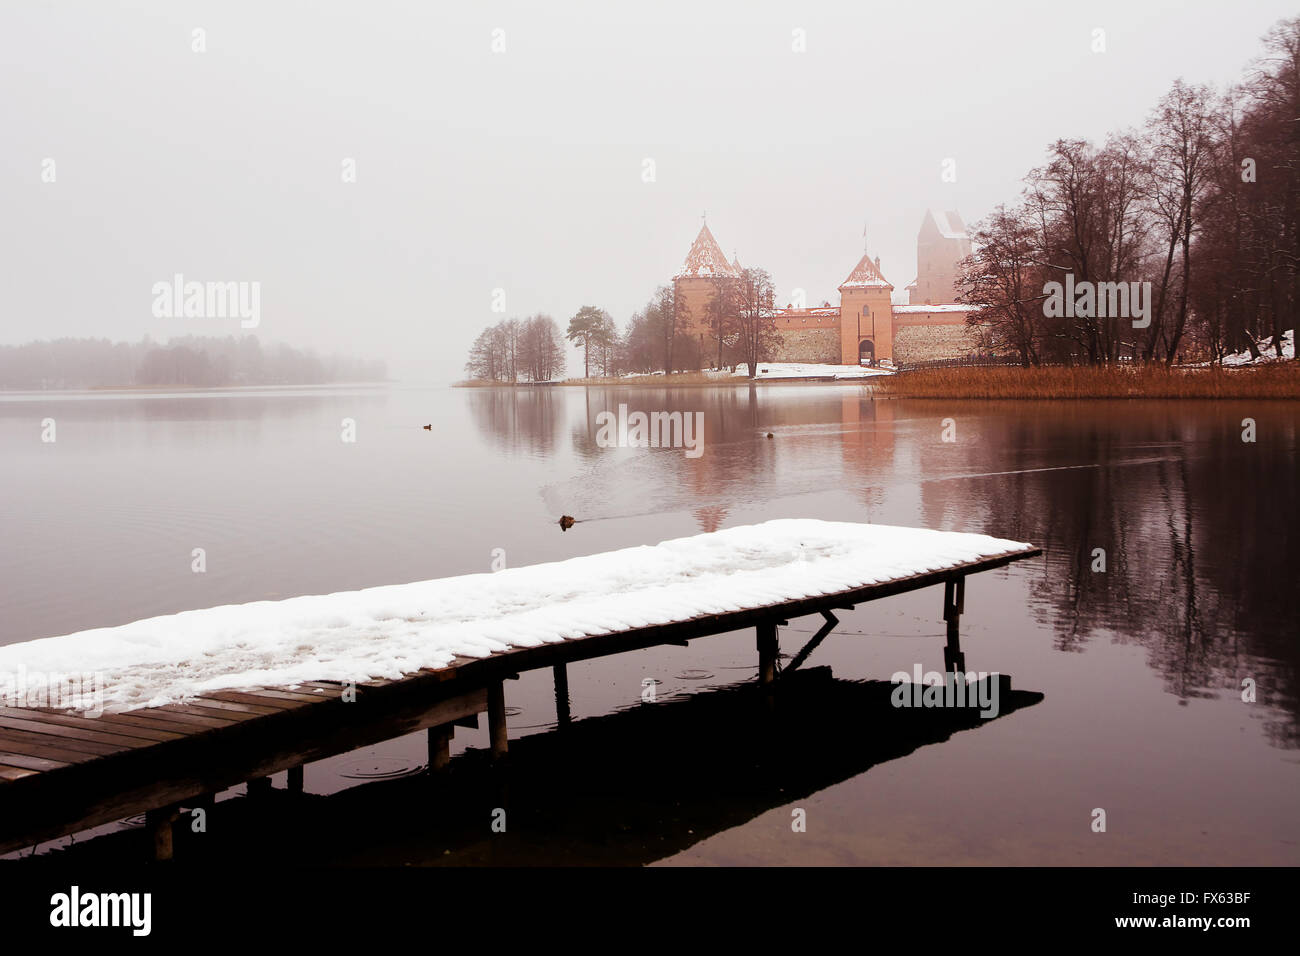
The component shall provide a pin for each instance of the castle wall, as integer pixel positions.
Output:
(826, 317)
(819, 346)
(923, 339)
(927, 342)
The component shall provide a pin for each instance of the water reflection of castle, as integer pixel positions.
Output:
(866, 327)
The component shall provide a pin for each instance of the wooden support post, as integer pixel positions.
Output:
(497, 732)
(562, 715)
(295, 779)
(768, 649)
(159, 824)
(954, 602)
(440, 747)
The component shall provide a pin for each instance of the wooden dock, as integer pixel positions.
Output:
(61, 773)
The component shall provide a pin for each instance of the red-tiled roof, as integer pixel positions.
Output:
(865, 275)
(706, 259)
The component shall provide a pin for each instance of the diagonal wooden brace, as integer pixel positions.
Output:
(831, 621)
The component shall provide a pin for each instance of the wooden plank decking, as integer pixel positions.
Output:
(61, 772)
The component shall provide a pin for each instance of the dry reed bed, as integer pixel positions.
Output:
(1276, 380)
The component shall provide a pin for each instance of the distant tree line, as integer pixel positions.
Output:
(189, 360)
(738, 319)
(1202, 202)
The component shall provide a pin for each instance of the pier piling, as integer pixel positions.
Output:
(497, 731)
(440, 747)
(768, 649)
(954, 602)
(159, 824)
(562, 715)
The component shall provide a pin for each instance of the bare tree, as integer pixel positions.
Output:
(1004, 278)
(721, 313)
(1181, 140)
(758, 337)
(541, 349)
(484, 363)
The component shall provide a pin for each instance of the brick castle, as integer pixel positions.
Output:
(866, 328)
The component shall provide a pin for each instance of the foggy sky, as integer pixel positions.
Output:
(523, 169)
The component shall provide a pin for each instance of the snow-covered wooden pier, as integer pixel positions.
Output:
(188, 705)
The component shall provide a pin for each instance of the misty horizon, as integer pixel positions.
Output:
(506, 150)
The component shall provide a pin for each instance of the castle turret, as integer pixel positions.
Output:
(696, 286)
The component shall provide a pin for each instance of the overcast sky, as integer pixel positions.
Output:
(524, 169)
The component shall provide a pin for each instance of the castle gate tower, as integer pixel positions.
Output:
(866, 315)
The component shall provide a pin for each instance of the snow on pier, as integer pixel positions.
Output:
(392, 631)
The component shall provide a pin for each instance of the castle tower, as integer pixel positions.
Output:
(696, 286)
(940, 246)
(866, 315)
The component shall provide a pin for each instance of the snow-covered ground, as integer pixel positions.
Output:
(786, 370)
(804, 370)
(389, 631)
(1266, 351)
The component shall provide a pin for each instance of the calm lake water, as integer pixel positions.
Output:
(1140, 666)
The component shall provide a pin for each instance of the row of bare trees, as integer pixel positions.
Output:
(514, 350)
(1202, 203)
(663, 336)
